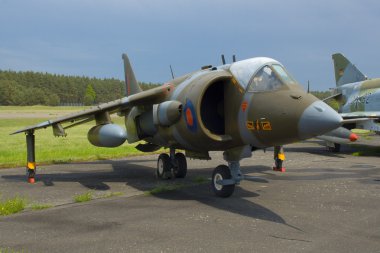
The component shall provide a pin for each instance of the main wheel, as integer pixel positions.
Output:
(181, 170)
(220, 173)
(163, 166)
(335, 149)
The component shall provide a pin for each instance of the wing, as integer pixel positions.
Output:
(122, 106)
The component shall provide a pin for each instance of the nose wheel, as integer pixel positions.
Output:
(173, 166)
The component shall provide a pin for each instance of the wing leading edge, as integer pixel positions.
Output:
(122, 105)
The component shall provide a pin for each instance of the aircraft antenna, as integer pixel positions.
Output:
(223, 60)
(171, 71)
(308, 86)
(234, 58)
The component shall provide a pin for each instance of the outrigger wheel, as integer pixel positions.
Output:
(222, 172)
(171, 166)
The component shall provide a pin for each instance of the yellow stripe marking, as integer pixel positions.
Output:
(31, 165)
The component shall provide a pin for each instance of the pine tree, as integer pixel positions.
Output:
(90, 95)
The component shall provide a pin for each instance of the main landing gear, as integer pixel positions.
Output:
(171, 166)
(224, 178)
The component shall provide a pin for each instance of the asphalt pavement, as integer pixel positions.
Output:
(324, 202)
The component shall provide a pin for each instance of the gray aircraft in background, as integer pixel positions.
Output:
(358, 97)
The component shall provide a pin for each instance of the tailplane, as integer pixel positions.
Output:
(132, 87)
(345, 71)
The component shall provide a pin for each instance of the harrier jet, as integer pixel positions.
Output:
(234, 108)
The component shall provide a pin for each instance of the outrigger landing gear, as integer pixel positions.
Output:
(279, 158)
(174, 165)
(31, 163)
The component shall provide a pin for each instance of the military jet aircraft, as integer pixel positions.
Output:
(235, 108)
(359, 97)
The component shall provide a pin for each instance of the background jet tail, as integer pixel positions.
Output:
(345, 71)
(132, 87)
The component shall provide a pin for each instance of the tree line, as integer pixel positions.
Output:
(32, 88)
(35, 88)
(325, 94)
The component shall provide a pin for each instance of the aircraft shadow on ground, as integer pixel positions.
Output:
(143, 178)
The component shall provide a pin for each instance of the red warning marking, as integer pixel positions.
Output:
(353, 137)
(189, 117)
(244, 106)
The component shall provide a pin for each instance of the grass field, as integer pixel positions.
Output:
(50, 149)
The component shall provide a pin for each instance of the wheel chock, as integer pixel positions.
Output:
(31, 180)
(282, 169)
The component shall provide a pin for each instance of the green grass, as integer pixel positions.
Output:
(8, 250)
(361, 131)
(40, 206)
(112, 194)
(83, 197)
(11, 206)
(367, 151)
(200, 180)
(50, 149)
(164, 188)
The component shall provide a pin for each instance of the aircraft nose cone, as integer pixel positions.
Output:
(317, 119)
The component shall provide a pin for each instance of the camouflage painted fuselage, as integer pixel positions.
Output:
(360, 96)
(222, 109)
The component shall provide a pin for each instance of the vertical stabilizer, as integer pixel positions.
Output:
(132, 87)
(345, 71)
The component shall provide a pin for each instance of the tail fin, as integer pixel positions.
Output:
(345, 71)
(132, 87)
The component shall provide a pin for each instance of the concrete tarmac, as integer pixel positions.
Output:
(324, 202)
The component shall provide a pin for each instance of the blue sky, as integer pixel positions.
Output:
(87, 38)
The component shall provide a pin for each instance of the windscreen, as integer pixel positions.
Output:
(270, 78)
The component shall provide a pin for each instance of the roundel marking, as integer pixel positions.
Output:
(190, 116)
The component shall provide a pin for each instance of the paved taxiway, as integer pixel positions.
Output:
(323, 203)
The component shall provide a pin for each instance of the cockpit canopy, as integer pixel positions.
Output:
(261, 74)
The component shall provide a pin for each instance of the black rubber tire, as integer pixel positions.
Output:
(181, 170)
(222, 172)
(163, 166)
(335, 149)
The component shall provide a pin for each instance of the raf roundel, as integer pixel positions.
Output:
(190, 116)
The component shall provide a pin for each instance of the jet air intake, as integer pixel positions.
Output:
(164, 115)
(107, 135)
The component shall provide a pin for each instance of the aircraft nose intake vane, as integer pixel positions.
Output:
(317, 119)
